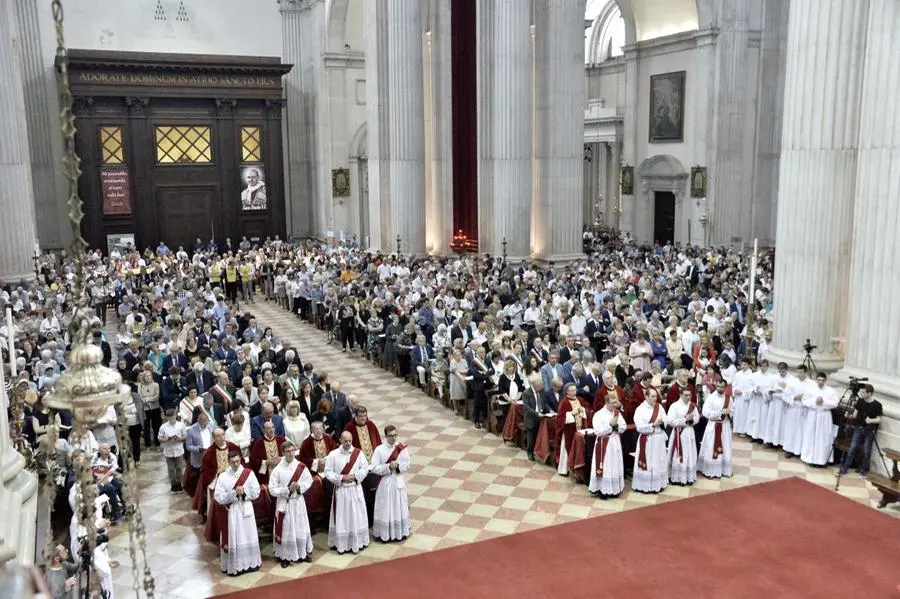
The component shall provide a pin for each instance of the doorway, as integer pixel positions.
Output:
(663, 217)
(185, 213)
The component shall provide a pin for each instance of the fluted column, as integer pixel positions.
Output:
(817, 176)
(505, 128)
(406, 134)
(17, 227)
(873, 326)
(559, 128)
(377, 68)
(40, 104)
(439, 215)
(770, 108)
(301, 180)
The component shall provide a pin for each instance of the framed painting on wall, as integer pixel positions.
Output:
(253, 194)
(667, 107)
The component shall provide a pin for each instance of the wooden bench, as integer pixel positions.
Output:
(889, 487)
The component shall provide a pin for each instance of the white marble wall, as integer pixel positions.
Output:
(505, 121)
(559, 128)
(377, 121)
(818, 172)
(17, 227)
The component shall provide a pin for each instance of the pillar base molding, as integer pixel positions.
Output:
(18, 495)
(557, 259)
(825, 361)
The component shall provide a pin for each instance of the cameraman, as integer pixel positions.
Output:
(866, 416)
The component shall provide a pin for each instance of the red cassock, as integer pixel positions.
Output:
(674, 394)
(315, 496)
(209, 470)
(566, 432)
(602, 392)
(636, 399)
(374, 437)
(263, 507)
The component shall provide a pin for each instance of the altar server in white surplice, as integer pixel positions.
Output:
(683, 415)
(289, 480)
(794, 420)
(715, 450)
(607, 466)
(742, 387)
(763, 392)
(651, 468)
(389, 461)
(818, 434)
(346, 467)
(236, 489)
(777, 408)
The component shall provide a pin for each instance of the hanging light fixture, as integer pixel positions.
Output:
(88, 388)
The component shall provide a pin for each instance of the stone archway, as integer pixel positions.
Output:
(660, 174)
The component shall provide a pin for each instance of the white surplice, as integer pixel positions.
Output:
(818, 431)
(763, 382)
(794, 420)
(296, 538)
(391, 518)
(243, 540)
(706, 464)
(683, 468)
(613, 480)
(656, 477)
(774, 414)
(743, 389)
(349, 526)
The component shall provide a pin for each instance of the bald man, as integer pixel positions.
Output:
(346, 467)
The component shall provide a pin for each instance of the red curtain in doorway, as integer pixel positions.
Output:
(465, 119)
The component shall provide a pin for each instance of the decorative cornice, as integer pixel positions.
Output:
(345, 60)
(155, 61)
(677, 42)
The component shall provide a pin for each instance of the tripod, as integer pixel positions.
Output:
(847, 405)
(808, 361)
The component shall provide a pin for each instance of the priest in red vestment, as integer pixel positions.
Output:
(574, 414)
(313, 452)
(638, 395)
(366, 438)
(265, 453)
(215, 462)
(609, 386)
(674, 392)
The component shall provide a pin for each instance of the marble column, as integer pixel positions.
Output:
(17, 227)
(439, 215)
(628, 203)
(601, 161)
(41, 108)
(506, 128)
(299, 169)
(770, 108)
(406, 134)
(559, 128)
(873, 326)
(377, 68)
(615, 190)
(817, 177)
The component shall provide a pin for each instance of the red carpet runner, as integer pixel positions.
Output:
(788, 538)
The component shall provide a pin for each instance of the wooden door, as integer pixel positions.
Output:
(184, 213)
(664, 217)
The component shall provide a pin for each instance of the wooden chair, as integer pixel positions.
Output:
(889, 487)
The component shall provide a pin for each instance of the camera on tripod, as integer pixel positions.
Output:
(808, 347)
(855, 384)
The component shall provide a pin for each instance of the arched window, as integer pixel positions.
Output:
(604, 39)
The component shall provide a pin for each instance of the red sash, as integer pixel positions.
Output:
(347, 470)
(676, 439)
(279, 516)
(600, 448)
(717, 439)
(398, 449)
(642, 442)
(223, 522)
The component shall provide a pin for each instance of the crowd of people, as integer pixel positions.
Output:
(634, 347)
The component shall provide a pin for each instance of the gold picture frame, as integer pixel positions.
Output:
(698, 181)
(340, 182)
(626, 180)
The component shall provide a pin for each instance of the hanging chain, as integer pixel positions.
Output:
(72, 170)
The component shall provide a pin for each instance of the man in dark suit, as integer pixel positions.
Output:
(420, 355)
(172, 389)
(565, 352)
(533, 402)
(337, 398)
(176, 357)
(104, 346)
(461, 329)
(594, 330)
(344, 415)
(552, 396)
(257, 424)
(320, 389)
(200, 378)
(590, 383)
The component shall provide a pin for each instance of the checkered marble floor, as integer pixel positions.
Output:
(465, 485)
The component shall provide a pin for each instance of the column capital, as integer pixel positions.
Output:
(296, 5)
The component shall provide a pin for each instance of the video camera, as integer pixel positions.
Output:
(808, 347)
(855, 384)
